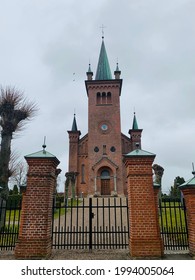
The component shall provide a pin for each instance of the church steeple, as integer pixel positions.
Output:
(89, 73)
(103, 69)
(135, 125)
(74, 124)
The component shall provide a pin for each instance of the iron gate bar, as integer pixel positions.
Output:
(109, 229)
(10, 226)
(173, 224)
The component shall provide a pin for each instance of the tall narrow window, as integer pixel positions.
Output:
(109, 99)
(104, 99)
(98, 98)
(82, 173)
(104, 150)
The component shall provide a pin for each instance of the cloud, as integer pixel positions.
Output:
(44, 42)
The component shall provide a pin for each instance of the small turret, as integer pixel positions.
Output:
(117, 72)
(74, 135)
(135, 134)
(89, 73)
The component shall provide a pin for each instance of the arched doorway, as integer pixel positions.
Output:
(105, 182)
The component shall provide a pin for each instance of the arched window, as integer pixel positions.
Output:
(105, 174)
(98, 98)
(109, 99)
(104, 98)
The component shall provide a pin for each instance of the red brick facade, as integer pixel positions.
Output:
(189, 196)
(97, 158)
(145, 240)
(35, 231)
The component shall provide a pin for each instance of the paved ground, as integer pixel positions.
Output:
(96, 255)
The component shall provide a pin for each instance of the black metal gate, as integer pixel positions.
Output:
(9, 222)
(173, 224)
(91, 223)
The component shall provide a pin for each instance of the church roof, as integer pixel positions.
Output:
(189, 183)
(135, 124)
(89, 69)
(139, 152)
(103, 69)
(74, 124)
(40, 154)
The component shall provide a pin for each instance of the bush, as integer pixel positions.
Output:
(14, 200)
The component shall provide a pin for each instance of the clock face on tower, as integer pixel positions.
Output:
(104, 127)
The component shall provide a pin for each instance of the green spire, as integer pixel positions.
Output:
(74, 124)
(103, 69)
(135, 125)
(117, 68)
(89, 70)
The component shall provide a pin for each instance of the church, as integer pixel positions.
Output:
(96, 166)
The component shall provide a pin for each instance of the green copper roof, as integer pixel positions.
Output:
(40, 154)
(117, 68)
(89, 69)
(189, 183)
(74, 124)
(139, 152)
(135, 125)
(103, 69)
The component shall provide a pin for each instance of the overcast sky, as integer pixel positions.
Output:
(43, 42)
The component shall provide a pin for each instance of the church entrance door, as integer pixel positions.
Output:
(105, 186)
(105, 182)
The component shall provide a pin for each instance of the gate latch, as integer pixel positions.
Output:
(92, 215)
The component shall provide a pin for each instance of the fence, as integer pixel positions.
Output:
(9, 223)
(173, 224)
(91, 223)
(96, 223)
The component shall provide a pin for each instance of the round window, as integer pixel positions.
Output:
(104, 127)
(96, 149)
(113, 149)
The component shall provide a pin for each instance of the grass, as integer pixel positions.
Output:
(172, 215)
(173, 224)
(61, 210)
(12, 215)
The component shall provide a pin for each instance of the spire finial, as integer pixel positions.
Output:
(193, 172)
(102, 27)
(44, 144)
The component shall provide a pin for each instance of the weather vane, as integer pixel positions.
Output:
(44, 144)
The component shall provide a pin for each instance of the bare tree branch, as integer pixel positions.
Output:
(15, 111)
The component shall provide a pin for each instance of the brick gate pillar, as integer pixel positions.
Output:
(35, 231)
(188, 190)
(145, 239)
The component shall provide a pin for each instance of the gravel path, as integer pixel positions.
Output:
(97, 255)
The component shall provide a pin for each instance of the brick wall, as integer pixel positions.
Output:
(34, 240)
(145, 240)
(189, 196)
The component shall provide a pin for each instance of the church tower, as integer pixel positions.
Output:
(96, 159)
(104, 129)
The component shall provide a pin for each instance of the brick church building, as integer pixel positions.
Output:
(96, 160)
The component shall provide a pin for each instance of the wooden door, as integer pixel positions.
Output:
(105, 187)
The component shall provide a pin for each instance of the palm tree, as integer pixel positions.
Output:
(15, 110)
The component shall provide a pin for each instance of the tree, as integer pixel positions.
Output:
(175, 191)
(15, 110)
(19, 174)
